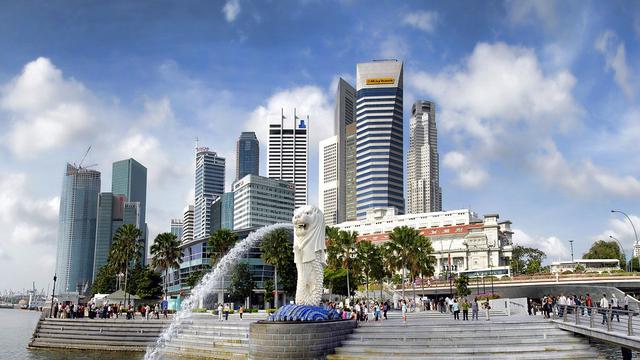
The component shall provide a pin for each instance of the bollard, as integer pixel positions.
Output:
(608, 312)
(629, 324)
(591, 319)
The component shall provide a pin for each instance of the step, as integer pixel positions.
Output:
(106, 342)
(458, 342)
(477, 349)
(111, 347)
(523, 356)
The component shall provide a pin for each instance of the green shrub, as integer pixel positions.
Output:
(252, 310)
(199, 310)
(271, 311)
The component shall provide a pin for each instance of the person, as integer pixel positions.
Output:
(147, 311)
(589, 302)
(465, 310)
(562, 304)
(165, 308)
(404, 311)
(354, 314)
(604, 305)
(487, 307)
(385, 308)
(241, 311)
(55, 310)
(226, 312)
(376, 311)
(615, 306)
(474, 309)
(456, 310)
(157, 311)
(625, 302)
(529, 305)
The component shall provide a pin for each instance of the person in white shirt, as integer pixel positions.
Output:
(615, 305)
(562, 304)
(604, 305)
(219, 312)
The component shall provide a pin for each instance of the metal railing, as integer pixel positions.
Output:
(589, 316)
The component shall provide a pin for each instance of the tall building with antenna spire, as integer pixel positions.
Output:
(288, 154)
(209, 185)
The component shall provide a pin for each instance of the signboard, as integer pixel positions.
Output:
(381, 81)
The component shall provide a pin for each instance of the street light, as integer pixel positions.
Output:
(571, 243)
(53, 294)
(632, 226)
(621, 249)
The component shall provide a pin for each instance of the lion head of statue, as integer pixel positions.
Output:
(308, 220)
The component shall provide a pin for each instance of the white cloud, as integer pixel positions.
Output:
(467, 174)
(614, 53)
(308, 100)
(620, 228)
(552, 246)
(532, 12)
(422, 20)
(231, 9)
(585, 178)
(393, 47)
(46, 110)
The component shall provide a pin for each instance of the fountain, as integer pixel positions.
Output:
(206, 286)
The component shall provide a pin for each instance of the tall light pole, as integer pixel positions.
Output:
(623, 253)
(634, 229)
(53, 293)
(571, 243)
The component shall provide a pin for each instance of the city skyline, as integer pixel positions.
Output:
(553, 151)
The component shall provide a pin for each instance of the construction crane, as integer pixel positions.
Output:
(84, 157)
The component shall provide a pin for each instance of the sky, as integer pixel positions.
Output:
(538, 109)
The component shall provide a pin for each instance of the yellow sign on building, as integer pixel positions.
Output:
(381, 81)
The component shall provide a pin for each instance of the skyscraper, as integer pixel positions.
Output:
(209, 185)
(260, 201)
(77, 228)
(247, 155)
(288, 154)
(345, 130)
(129, 178)
(187, 224)
(423, 164)
(379, 153)
(328, 182)
(176, 228)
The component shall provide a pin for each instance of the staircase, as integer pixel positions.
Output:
(431, 335)
(95, 334)
(203, 336)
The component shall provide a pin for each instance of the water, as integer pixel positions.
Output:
(207, 284)
(16, 328)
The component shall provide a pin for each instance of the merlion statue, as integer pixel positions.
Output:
(309, 254)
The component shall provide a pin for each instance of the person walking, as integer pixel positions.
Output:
(385, 308)
(220, 312)
(226, 312)
(474, 309)
(589, 303)
(455, 307)
(615, 306)
(604, 305)
(241, 311)
(487, 307)
(465, 310)
(625, 302)
(404, 311)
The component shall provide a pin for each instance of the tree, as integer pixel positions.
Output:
(105, 282)
(402, 246)
(346, 250)
(580, 268)
(277, 251)
(605, 250)
(268, 292)
(146, 283)
(462, 285)
(166, 254)
(635, 264)
(336, 279)
(241, 283)
(125, 250)
(424, 262)
(369, 259)
(525, 260)
(220, 242)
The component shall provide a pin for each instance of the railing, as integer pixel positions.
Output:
(586, 316)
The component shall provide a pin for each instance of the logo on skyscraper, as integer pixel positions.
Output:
(302, 125)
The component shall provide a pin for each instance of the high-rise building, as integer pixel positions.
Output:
(288, 154)
(129, 178)
(226, 220)
(345, 130)
(176, 228)
(247, 155)
(187, 224)
(260, 201)
(77, 228)
(328, 182)
(423, 164)
(209, 185)
(379, 153)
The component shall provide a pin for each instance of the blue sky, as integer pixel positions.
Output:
(538, 112)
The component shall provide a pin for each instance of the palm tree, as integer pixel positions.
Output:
(126, 249)
(424, 262)
(166, 255)
(220, 242)
(368, 258)
(346, 248)
(277, 250)
(402, 245)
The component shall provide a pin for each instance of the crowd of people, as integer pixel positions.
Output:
(70, 310)
(584, 304)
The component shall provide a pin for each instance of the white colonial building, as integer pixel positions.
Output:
(468, 244)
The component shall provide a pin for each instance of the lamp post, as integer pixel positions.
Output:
(632, 226)
(571, 243)
(623, 253)
(53, 293)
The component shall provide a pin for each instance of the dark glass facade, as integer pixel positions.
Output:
(247, 155)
